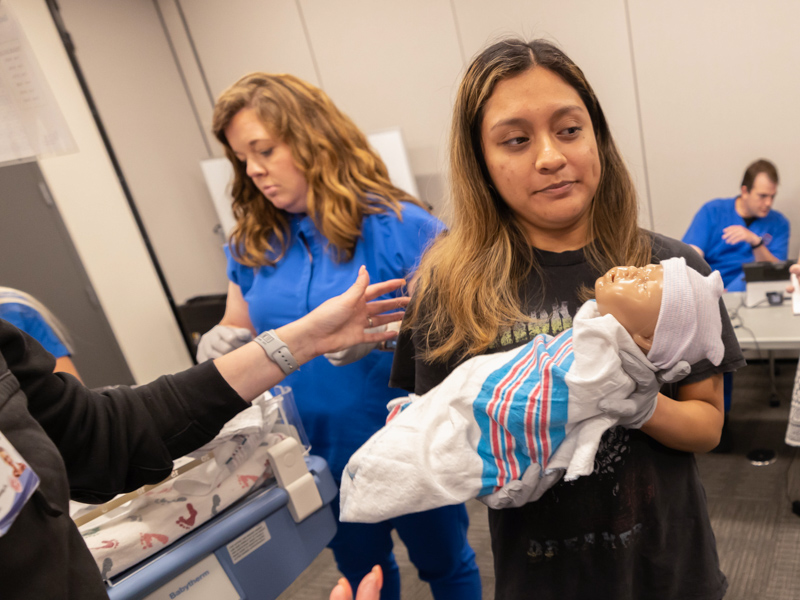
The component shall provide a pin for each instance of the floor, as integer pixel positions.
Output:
(758, 536)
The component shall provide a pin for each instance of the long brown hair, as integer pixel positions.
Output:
(470, 279)
(346, 178)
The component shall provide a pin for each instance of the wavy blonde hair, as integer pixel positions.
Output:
(468, 288)
(346, 178)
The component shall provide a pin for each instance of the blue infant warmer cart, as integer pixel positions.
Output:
(253, 550)
(250, 548)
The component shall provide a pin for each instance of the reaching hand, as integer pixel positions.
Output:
(333, 325)
(349, 319)
(368, 589)
(636, 410)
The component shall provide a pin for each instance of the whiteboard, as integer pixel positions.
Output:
(390, 147)
(218, 173)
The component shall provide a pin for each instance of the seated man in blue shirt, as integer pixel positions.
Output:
(729, 232)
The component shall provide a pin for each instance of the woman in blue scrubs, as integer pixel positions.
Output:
(313, 202)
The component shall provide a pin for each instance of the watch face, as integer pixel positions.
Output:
(267, 337)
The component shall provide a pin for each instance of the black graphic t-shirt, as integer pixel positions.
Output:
(638, 527)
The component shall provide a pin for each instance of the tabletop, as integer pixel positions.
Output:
(764, 327)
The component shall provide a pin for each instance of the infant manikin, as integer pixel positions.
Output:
(505, 427)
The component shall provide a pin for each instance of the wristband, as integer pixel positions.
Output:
(765, 239)
(277, 351)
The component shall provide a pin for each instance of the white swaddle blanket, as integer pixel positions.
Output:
(503, 427)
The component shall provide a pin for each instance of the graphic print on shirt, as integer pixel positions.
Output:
(526, 399)
(551, 322)
(582, 535)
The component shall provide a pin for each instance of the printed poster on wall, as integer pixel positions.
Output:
(31, 123)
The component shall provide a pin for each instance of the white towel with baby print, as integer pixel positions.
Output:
(156, 518)
(501, 427)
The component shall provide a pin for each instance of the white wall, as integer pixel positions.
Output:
(719, 88)
(97, 216)
(397, 65)
(136, 83)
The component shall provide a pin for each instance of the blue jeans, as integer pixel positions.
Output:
(437, 546)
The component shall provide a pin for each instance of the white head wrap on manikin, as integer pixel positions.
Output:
(689, 326)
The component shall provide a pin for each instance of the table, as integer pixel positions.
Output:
(765, 328)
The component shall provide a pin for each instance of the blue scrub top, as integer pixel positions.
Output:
(341, 407)
(706, 229)
(29, 320)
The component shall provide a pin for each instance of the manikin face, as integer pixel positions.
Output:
(632, 295)
(269, 162)
(541, 153)
(758, 201)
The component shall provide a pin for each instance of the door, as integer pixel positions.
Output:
(37, 256)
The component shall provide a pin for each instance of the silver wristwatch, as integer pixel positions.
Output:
(277, 351)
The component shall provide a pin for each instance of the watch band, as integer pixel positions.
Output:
(277, 351)
(765, 239)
